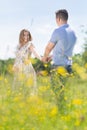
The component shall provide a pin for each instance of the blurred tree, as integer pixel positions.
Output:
(84, 33)
(4, 65)
(77, 58)
(84, 55)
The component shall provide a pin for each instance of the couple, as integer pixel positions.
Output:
(61, 42)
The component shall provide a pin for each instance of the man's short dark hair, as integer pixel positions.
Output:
(62, 14)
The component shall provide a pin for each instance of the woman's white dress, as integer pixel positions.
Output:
(25, 75)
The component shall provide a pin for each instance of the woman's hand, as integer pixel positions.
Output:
(44, 59)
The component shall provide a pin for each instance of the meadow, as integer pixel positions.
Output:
(60, 103)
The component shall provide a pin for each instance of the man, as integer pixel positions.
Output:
(61, 42)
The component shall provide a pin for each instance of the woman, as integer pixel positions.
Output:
(25, 75)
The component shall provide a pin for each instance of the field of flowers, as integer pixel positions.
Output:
(60, 103)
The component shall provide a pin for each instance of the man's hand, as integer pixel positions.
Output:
(49, 58)
(44, 59)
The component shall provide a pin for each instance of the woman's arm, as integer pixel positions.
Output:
(35, 53)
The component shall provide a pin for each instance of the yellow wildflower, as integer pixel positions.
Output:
(45, 65)
(77, 102)
(66, 118)
(54, 111)
(62, 71)
(77, 123)
(44, 73)
(33, 129)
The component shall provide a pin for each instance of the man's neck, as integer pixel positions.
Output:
(62, 23)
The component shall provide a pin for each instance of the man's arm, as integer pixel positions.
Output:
(48, 49)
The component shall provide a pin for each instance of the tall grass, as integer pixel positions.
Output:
(64, 108)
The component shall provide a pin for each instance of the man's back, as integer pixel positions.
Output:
(64, 40)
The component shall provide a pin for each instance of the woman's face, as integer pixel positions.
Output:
(26, 37)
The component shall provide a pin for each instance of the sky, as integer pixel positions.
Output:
(39, 18)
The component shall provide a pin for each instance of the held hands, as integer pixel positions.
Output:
(46, 59)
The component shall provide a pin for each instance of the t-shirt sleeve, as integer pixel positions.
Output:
(54, 37)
